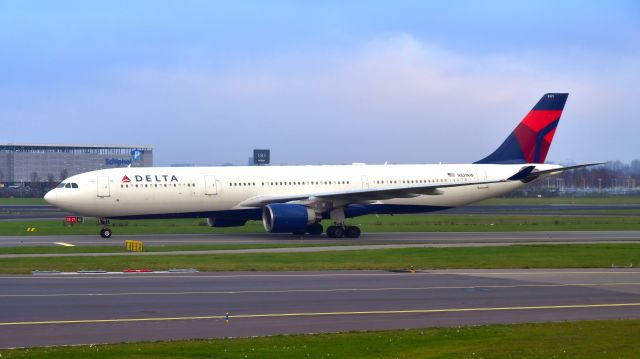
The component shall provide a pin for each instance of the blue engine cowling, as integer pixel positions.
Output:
(284, 218)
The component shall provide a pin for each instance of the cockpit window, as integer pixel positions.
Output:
(67, 185)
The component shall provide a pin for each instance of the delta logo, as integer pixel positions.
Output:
(150, 178)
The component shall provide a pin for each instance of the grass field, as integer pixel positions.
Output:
(526, 256)
(584, 339)
(370, 223)
(21, 201)
(564, 200)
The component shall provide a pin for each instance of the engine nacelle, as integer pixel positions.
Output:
(225, 222)
(284, 218)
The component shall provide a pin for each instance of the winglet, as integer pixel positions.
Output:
(522, 174)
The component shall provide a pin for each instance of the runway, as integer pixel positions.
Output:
(83, 309)
(426, 238)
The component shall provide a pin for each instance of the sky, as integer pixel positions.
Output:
(319, 82)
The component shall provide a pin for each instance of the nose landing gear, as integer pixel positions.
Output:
(105, 232)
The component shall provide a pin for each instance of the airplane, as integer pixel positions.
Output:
(295, 199)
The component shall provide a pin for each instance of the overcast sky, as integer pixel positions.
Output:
(205, 82)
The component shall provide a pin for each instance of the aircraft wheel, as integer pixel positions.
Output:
(352, 232)
(105, 233)
(315, 229)
(331, 231)
(338, 232)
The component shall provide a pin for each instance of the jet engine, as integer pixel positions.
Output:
(285, 218)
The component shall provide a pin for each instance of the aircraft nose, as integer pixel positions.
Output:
(51, 197)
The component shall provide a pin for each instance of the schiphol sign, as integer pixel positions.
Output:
(117, 162)
(136, 155)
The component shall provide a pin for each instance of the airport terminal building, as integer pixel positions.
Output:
(34, 163)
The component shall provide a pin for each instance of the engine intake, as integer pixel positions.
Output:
(283, 218)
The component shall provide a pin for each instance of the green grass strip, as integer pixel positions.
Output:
(371, 223)
(147, 248)
(520, 256)
(582, 339)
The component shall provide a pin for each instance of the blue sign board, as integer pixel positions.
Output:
(136, 155)
(261, 157)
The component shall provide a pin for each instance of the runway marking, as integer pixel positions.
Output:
(528, 272)
(64, 244)
(314, 314)
(329, 290)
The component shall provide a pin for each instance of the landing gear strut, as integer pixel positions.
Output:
(105, 232)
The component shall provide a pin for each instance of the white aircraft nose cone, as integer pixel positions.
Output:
(51, 197)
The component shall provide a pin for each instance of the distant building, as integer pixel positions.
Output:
(32, 163)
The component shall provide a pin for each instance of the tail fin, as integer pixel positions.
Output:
(530, 141)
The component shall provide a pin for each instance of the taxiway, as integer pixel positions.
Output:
(83, 309)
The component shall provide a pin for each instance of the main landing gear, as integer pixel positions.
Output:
(340, 231)
(105, 232)
(334, 231)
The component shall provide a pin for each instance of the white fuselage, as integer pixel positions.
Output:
(203, 191)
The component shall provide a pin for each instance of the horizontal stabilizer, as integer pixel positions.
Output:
(522, 174)
(534, 175)
(562, 169)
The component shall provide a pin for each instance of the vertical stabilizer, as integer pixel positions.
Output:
(530, 141)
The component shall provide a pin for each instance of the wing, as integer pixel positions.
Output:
(372, 194)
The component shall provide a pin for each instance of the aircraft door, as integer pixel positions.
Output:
(365, 182)
(210, 187)
(103, 186)
(482, 176)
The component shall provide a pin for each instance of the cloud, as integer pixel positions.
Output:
(395, 98)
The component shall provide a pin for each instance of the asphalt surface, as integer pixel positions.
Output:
(434, 239)
(32, 212)
(84, 309)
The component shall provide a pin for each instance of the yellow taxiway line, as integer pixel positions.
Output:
(311, 314)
